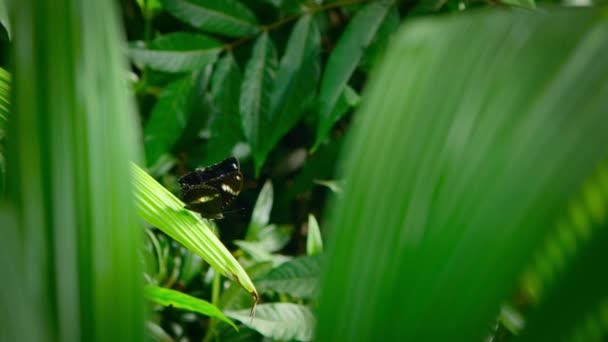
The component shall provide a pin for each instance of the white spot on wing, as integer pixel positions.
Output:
(228, 189)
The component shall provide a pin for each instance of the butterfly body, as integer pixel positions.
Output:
(209, 190)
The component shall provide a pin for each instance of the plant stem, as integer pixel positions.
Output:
(215, 298)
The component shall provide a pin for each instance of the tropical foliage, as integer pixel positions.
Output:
(414, 170)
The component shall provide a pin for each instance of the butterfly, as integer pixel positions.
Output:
(209, 190)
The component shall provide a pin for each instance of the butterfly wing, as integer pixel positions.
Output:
(201, 176)
(204, 199)
(208, 191)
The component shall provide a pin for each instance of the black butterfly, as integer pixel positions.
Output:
(208, 191)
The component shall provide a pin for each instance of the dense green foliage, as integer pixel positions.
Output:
(468, 200)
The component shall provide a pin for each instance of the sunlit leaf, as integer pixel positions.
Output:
(162, 209)
(168, 119)
(458, 167)
(280, 321)
(177, 52)
(176, 299)
(344, 59)
(226, 17)
(298, 278)
(261, 211)
(314, 242)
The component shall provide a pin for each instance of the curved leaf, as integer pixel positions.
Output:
(298, 277)
(4, 18)
(280, 321)
(256, 89)
(342, 62)
(178, 52)
(314, 242)
(176, 299)
(463, 187)
(160, 208)
(227, 17)
(5, 87)
(226, 128)
(168, 119)
(294, 87)
(565, 279)
(261, 211)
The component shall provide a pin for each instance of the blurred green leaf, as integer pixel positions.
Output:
(163, 210)
(344, 59)
(5, 80)
(255, 250)
(379, 44)
(234, 298)
(347, 100)
(4, 18)
(520, 3)
(273, 238)
(168, 119)
(178, 52)
(280, 321)
(463, 188)
(226, 128)
(72, 135)
(566, 278)
(256, 89)
(176, 299)
(294, 86)
(314, 242)
(191, 267)
(151, 4)
(298, 278)
(5, 87)
(227, 17)
(261, 211)
(156, 333)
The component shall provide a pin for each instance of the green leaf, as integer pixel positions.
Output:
(343, 60)
(168, 119)
(379, 44)
(4, 18)
(226, 128)
(261, 211)
(531, 4)
(227, 17)
(294, 86)
(5, 87)
(178, 52)
(73, 134)
(152, 5)
(298, 278)
(463, 187)
(234, 298)
(256, 89)
(314, 242)
(347, 100)
(255, 250)
(176, 299)
(273, 238)
(162, 209)
(280, 321)
(566, 277)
